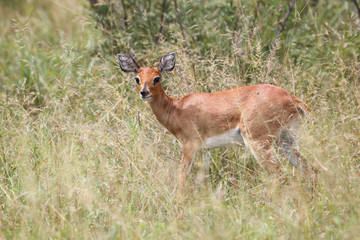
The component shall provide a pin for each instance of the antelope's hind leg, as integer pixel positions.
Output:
(290, 150)
(263, 151)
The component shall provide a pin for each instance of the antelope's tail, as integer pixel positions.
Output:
(304, 109)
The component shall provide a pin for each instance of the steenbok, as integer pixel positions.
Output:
(258, 116)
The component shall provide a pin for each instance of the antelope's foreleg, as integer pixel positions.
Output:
(186, 160)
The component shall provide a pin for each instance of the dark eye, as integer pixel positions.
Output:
(156, 80)
(137, 80)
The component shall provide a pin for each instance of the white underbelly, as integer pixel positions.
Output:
(232, 137)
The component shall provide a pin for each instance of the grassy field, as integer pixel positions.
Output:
(82, 157)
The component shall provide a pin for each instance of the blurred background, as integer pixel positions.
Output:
(82, 157)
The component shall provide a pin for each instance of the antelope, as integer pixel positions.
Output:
(255, 116)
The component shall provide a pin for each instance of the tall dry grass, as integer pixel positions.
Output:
(82, 157)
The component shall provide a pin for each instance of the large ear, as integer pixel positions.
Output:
(167, 63)
(127, 64)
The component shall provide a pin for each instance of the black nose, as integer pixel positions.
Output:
(144, 92)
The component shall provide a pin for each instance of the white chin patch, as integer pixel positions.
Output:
(148, 98)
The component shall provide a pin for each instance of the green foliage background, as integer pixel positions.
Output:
(82, 157)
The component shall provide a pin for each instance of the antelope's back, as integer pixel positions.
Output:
(259, 108)
(268, 108)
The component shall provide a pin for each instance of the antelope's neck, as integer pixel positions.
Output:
(164, 108)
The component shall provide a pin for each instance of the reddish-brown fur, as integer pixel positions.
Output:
(260, 112)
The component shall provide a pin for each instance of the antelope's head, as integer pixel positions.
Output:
(147, 78)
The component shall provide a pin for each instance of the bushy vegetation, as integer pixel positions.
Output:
(82, 157)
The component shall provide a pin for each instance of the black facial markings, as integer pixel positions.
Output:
(144, 91)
